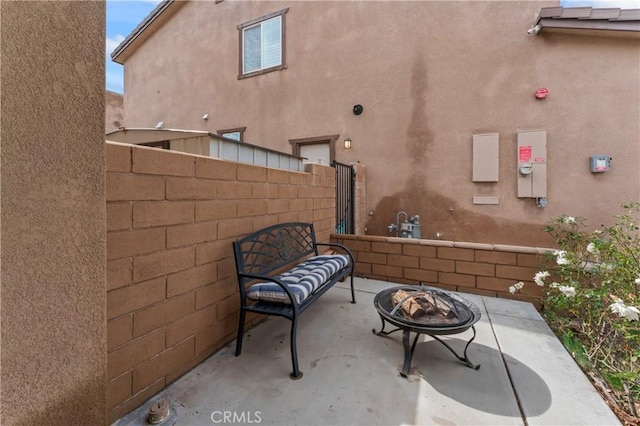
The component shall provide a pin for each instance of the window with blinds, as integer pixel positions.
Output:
(262, 44)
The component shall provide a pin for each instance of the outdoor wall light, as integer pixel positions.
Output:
(347, 143)
(534, 30)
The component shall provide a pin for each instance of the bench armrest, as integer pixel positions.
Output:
(342, 247)
(264, 278)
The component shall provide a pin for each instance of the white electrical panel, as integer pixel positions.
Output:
(532, 164)
(485, 157)
(599, 163)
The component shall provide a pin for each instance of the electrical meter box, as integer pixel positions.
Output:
(599, 163)
(532, 164)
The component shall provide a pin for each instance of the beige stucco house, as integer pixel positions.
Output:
(116, 273)
(487, 119)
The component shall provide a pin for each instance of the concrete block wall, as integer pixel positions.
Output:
(360, 198)
(172, 297)
(459, 266)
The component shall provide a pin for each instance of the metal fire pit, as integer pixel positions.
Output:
(465, 315)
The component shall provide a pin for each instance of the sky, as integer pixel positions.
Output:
(124, 15)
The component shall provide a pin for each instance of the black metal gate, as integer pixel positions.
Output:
(345, 198)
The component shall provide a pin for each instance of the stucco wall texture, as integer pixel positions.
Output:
(429, 75)
(114, 112)
(53, 218)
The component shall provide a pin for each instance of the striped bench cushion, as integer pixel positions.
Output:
(302, 280)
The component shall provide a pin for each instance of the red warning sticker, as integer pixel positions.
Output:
(524, 153)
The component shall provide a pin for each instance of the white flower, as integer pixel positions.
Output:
(591, 248)
(618, 307)
(517, 286)
(570, 220)
(560, 257)
(567, 290)
(632, 313)
(638, 280)
(540, 276)
(554, 285)
(629, 312)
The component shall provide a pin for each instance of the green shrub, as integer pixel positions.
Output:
(592, 298)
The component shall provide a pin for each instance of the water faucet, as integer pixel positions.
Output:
(406, 217)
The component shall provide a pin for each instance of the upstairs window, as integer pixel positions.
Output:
(262, 45)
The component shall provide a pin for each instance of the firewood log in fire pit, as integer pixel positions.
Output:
(421, 303)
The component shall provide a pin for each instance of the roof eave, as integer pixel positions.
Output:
(602, 21)
(138, 135)
(632, 28)
(126, 47)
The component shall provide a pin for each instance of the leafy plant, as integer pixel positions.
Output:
(592, 297)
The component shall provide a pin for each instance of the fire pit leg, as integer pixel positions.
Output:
(382, 332)
(464, 359)
(408, 352)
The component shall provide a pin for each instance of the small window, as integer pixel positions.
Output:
(232, 135)
(236, 134)
(262, 45)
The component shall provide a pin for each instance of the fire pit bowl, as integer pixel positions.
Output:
(426, 310)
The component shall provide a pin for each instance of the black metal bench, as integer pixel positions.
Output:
(281, 272)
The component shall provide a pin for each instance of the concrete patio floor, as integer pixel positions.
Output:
(351, 376)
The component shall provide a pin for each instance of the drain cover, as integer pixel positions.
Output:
(159, 412)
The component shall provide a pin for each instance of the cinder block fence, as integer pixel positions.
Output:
(171, 288)
(467, 267)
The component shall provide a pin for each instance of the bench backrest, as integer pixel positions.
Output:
(272, 248)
